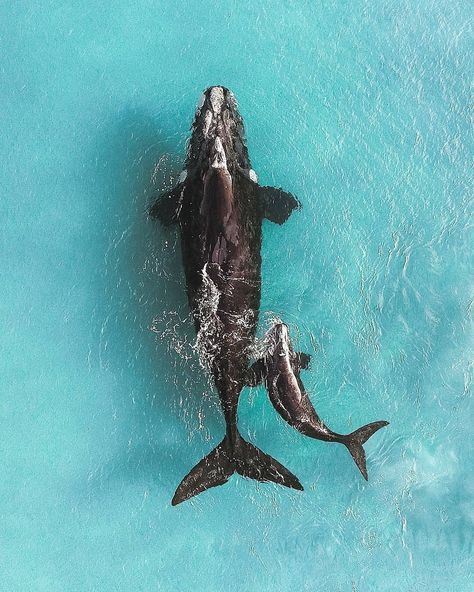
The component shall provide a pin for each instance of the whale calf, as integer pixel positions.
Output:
(280, 369)
(219, 208)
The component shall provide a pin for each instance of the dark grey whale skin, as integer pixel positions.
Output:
(219, 208)
(280, 369)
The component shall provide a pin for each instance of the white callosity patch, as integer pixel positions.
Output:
(292, 387)
(231, 98)
(219, 160)
(182, 176)
(253, 176)
(217, 98)
(207, 122)
(284, 340)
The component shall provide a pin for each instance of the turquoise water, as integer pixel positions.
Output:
(361, 110)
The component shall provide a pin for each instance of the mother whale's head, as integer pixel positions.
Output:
(217, 123)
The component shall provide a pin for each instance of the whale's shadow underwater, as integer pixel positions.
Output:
(219, 208)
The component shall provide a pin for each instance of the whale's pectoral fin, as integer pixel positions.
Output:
(277, 204)
(256, 373)
(302, 360)
(166, 208)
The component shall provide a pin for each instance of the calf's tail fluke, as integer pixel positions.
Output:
(355, 440)
(240, 457)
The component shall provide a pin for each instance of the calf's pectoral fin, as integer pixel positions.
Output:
(277, 204)
(302, 360)
(166, 207)
(256, 373)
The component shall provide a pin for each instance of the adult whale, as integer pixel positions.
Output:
(219, 208)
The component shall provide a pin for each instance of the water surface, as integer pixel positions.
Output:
(361, 110)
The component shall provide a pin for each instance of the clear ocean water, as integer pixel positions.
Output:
(360, 109)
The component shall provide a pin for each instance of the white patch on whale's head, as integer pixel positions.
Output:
(231, 99)
(182, 176)
(219, 158)
(207, 122)
(253, 176)
(282, 338)
(216, 97)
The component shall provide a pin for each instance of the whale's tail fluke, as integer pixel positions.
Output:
(243, 458)
(355, 440)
